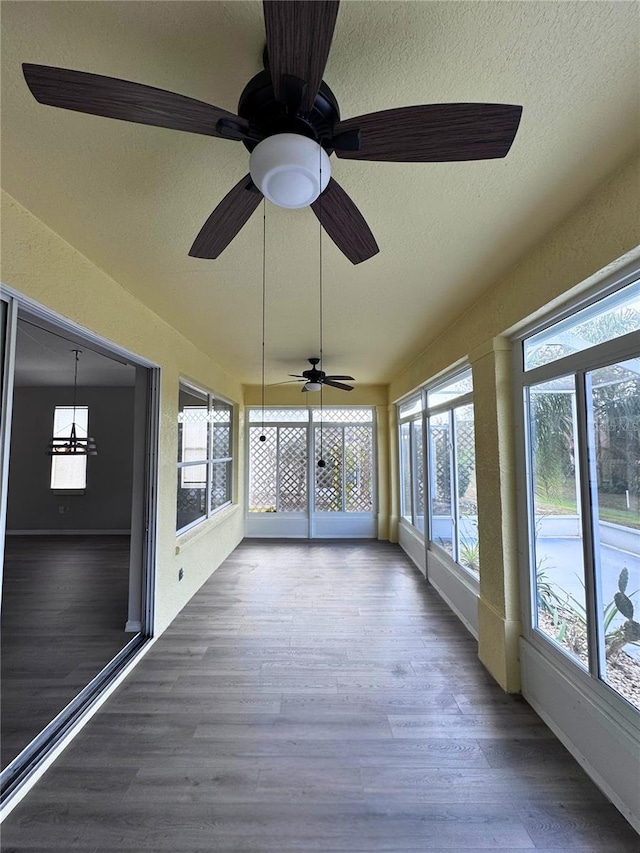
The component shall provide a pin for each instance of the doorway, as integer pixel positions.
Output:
(289, 494)
(78, 527)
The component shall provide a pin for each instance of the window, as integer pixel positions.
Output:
(280, 477)
(451, 463)
(411, 462)
(581, 392)
(204, 456)
(69, 473)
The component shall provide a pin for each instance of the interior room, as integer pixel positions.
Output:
(66, 574)
(356, 288)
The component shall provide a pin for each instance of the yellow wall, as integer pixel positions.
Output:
(39, 264)
(597, 235)
(601, 236)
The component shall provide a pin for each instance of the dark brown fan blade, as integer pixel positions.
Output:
(113, 98)
(333, 384)
(434, 133)
(299, 34)
(226, 220)
(296, 375)
(344, 223)
(339, 377)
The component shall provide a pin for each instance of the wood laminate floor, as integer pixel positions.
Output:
(315, 697)
(64, 609)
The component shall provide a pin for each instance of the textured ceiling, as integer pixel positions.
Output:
(132, 198)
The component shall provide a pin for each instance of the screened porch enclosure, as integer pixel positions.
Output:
(289, 495)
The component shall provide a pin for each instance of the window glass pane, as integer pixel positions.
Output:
(220, 430)
(192, 495)
(615, 440)
(417, 474)
(328, 489)
(292, 469)
(69, 472)
(337, 415)
(557, 545)
(611, 317)
(220, 484)
(358, 464)
(405, 471)
(461, 384)
(193, 417)
(468, 551)
(440, 474)
(411, 407)
(262, 469)
(278, 415)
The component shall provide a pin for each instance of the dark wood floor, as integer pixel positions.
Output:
(315, 697)
(64, 609)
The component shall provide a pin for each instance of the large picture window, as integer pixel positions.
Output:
(581, 391)
(204, 456)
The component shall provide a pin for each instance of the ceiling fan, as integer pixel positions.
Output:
(314, 379)
(289, 120)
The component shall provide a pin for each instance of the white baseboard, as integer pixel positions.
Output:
(58, 532)
(606, 747)
(412, 543)
(460, 593)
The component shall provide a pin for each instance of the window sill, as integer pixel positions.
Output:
(202, 528)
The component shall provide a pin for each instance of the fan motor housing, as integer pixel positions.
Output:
(259, 106)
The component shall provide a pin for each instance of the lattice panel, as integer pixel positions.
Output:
(292, 469)
(358, 451)
(466, 461)
(328, 489)
(262, 469)
(343, 416)
(191, 504)
(418, 472)
(439, 431)
(220, 441)
(220, 483)
(274, 416)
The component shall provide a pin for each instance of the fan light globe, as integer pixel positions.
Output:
(312, 386)
(286, 169)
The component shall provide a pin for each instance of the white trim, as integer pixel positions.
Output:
(457, 587)
(607, 749)
(616, 281)
(6, 394)
(412, 543)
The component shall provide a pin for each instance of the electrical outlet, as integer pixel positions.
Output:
(180, 574)
(61, 510)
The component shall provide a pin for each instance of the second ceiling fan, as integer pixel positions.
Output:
(289, 120)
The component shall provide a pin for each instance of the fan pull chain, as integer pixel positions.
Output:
(263, 437)
(321, 462)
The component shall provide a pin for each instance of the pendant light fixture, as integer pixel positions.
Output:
(73, 444)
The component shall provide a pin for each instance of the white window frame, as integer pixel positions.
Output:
(309, 516)
(576, 364)
(210, 401)
(410, 419)
(449, 407)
